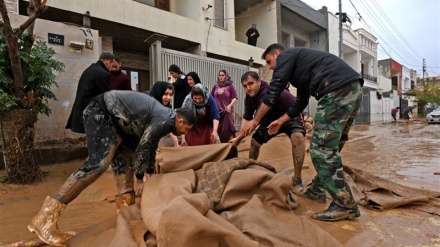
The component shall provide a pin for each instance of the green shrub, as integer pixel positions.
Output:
(39, 75)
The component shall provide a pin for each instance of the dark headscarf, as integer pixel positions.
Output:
(195, 77)
(159, 89)
(228, 80)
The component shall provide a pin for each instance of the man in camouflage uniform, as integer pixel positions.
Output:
(338, 89)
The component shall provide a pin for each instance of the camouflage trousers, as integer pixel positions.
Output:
(334, 117)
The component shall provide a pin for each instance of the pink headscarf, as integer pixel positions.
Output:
(228, 80)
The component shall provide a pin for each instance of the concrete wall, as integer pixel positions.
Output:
(185, 20)
(12, 6)
(333, 34)
(384, 83)
(376, 108)
(52, 127)
(406, 79)
(265, 16)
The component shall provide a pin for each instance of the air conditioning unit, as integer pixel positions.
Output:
(77, 44)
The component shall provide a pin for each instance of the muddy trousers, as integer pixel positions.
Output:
(334, 117)
(105, 149)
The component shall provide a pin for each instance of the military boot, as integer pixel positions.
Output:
(335, 212)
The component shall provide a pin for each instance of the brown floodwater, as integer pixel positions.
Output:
(405, 153)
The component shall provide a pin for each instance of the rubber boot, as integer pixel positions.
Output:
(44, 224)
(124, 200)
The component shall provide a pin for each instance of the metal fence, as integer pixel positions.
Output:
(207, 69)
(363, 116)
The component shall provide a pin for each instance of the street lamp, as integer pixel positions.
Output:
(251, 62)
(87, 19)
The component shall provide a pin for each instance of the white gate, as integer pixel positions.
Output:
(207, 69)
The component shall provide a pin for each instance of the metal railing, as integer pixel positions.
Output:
(369, 77)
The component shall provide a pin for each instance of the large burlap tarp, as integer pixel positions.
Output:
(192, 202)
(380, 194)
(200, 199)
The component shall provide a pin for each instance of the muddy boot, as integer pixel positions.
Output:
(124, 200)
(335, 212)
(44, 224)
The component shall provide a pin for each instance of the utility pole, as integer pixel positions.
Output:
(423, 72)
(341, 38)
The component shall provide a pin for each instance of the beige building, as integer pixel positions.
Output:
(149, 35)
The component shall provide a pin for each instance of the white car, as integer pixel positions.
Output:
(434, 116)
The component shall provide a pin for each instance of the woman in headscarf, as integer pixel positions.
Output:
(203, 104)
(163, 92)
(225, 97)
(192, 78)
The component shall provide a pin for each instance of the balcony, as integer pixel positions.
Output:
(369, 77)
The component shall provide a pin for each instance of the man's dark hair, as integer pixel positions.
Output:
(187, 114)
(175, 68)
(397, 108)
(271, 49)
(248, 74)
(117, 59)
(106, 56)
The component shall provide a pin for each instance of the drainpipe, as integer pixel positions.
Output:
(341, 38)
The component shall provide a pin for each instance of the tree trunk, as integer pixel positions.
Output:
(19, 131)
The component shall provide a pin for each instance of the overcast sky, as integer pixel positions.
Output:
(407, 31)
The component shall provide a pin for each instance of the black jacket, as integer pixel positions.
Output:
(313, 72)
(181, 90)
(94, 80)
(252, 40)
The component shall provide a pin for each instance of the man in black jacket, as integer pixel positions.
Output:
(252, 34)
(94, 80)
(112, 120)
(338, 89)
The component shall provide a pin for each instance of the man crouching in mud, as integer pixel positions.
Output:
(116, 123)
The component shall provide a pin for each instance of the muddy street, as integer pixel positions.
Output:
(405, 153)
(408, 153)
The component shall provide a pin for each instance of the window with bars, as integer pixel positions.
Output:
(220, 13)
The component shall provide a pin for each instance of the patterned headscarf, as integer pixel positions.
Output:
(228, 80)
(205, 92)
(198, 109)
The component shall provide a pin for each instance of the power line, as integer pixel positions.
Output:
(384, 29)
(396, 29)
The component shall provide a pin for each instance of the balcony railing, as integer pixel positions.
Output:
(369, 77)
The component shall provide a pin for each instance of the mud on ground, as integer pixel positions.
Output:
(404, 152)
